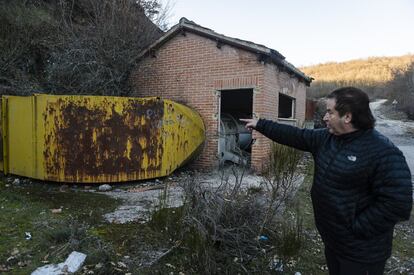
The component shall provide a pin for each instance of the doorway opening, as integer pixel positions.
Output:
(235, 141)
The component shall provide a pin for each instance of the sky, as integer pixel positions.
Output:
(309, 32)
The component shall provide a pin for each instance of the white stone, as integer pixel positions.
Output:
(104, 187)
(72, 264)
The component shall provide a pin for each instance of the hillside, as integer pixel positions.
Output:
(73, 46)
(380, 77)
(373, 74)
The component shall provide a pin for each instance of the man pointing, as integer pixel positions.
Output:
(362, 185)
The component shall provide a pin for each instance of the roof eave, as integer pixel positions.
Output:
(276, 58)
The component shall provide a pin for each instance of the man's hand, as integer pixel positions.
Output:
(250, 123)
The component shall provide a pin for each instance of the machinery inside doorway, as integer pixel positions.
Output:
(234, 139)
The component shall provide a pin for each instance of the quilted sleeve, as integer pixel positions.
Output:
(303, 139)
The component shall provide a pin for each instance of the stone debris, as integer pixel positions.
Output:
(56, 211)
(15, 251)
(137, 205)
(72, 264)
(104, 187)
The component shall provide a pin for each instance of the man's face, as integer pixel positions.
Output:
(334, 122)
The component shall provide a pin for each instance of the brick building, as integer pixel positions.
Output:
(216, 74)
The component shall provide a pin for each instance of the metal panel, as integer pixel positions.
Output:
(105, 139)
(18, 149)
(4, 140)
(1, 136)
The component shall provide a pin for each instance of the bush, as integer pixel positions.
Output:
(229, 227)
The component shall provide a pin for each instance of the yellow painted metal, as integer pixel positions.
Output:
(3, 136)
(17, 146)
(97, 139)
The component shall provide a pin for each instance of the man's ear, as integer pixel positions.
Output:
(348, 117)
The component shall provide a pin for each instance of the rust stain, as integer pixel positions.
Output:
(93, 141)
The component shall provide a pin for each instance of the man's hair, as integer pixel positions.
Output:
(355, 101)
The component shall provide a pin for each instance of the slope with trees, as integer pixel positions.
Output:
(380, 77)
(74, 46)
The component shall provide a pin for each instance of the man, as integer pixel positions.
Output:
(361, 187)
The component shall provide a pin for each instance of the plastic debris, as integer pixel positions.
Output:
(276, 264)
(122, 265)
(28, 235)
(72, 264)
(263, 238)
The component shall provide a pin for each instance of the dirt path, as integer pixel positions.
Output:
(399, 131)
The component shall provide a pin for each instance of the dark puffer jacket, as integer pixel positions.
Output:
(361, 188)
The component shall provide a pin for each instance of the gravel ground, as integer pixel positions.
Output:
(396, 127)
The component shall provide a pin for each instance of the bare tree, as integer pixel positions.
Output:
(74, 46)
(401, 89)
(24, 36)
(96, 56)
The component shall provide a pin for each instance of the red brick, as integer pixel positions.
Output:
(189, 69)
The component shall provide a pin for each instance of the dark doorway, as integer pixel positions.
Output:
(234, 139)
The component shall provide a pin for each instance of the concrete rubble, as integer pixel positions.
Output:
(72, 264)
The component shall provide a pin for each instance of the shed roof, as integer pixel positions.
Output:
(264, 53)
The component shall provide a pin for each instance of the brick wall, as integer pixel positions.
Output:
(191, 69)
(266, 106)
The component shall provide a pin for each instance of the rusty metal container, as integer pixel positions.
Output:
(94, 139)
